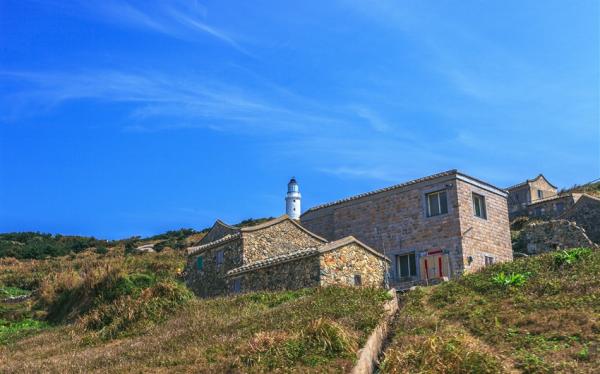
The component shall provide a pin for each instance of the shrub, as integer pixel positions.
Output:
(512, 279)
(570, 256)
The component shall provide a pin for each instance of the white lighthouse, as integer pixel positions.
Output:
(292, 200)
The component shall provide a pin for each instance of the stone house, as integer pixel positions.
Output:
(522, 194)
(278, 254)
(434, 227)
(551, 207)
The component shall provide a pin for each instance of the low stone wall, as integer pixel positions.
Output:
(368, 355)
(547, 236)
(586, 213)
(340, 266)
(299, 273)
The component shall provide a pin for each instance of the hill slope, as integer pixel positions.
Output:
(534, 315)
(130, 313)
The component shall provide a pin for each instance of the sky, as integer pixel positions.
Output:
(121, 118)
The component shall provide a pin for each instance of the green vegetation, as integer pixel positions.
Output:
(539, 316)
(11, 331)
(37, 245)
(512, 279)
(114, 312)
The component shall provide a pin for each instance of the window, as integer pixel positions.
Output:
(540, 194)
(199, 263)
(538, 212)
(559, 207)
(489, 260)
(479, 206)
(219, 259)
(406, 265)
(436, 203)
(357, 280)
(237, 285)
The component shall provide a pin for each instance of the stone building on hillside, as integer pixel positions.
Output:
(278, 254)
(551, 207)
(527, 192)
(431, 228)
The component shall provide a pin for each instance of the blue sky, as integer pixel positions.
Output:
(131, 118)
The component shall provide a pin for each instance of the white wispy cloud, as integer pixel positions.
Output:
(171, 103)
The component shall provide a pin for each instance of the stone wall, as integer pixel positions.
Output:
(341, 265)
(551, 208)
(393, 221)
(586, 213)
(489, 236)
(211, 280)
(218, 231)
(299, 273)
(277, 239)
(551, 235)
(544, 186)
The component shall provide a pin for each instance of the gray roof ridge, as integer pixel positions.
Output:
(400, 185)
(200, 248)
(347, 240)
(278, 220)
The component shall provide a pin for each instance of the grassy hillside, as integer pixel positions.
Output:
(113, 312)
(535, 315)
(592, 188)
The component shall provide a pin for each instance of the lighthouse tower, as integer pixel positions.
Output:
(292, 200)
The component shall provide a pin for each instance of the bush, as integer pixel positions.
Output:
(512, 279)
(570, 256)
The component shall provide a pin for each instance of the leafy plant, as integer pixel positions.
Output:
(570, 256)
(512, 279)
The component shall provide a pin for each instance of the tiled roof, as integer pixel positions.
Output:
(529, 181)
(574, 196)
(216, 243)
(396, 186)
(227, 238)
(275, 260)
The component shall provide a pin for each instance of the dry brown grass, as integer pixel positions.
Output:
(549, 324)
(317, 332)
(100, 328)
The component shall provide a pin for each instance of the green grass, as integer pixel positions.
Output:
(11, 331)
(6, 292)
(534, 315)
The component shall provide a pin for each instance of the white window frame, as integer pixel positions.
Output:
(482, 206)
(439, 200)
(485, 260)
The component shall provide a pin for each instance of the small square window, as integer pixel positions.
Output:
(219, 258)
(479, 208)
(437, 203)
(357, 280)
(489, 260)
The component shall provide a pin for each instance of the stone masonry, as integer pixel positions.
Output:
(586, 213)
(547, 236)
(279, 254)
(394, 221)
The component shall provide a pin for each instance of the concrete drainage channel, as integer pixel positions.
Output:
(369, 355)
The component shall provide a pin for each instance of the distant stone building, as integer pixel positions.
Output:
(434, 227)
(551, 207)
(527, 192)
(278, 254)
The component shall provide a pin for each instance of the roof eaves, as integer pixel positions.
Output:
(201, 248)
